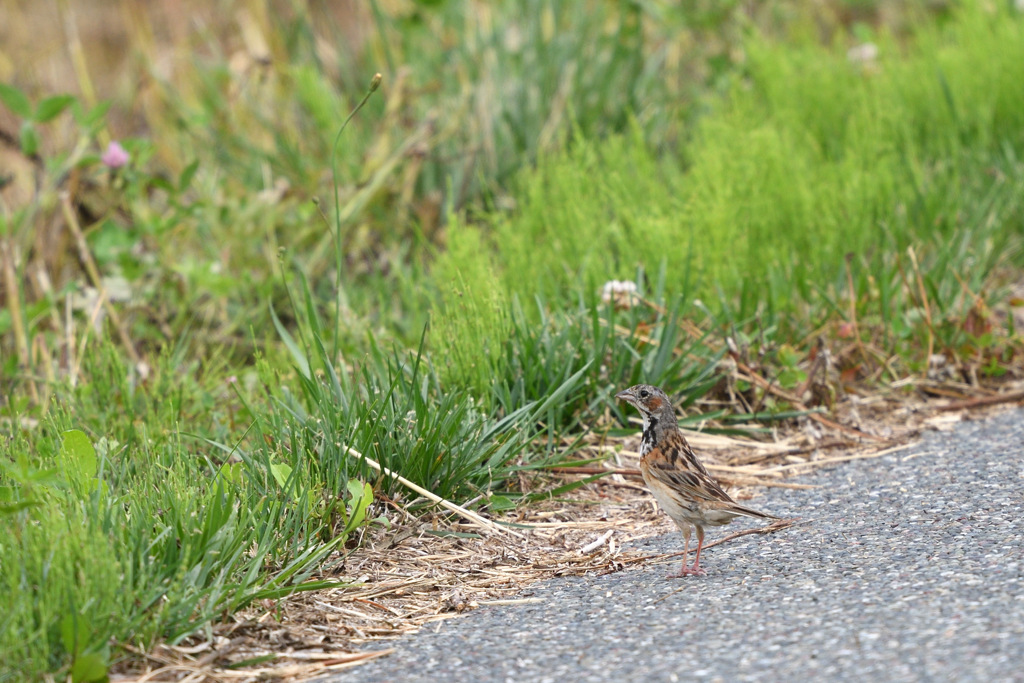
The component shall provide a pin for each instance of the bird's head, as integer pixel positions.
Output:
(650, 401)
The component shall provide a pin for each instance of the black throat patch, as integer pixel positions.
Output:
(648, 441)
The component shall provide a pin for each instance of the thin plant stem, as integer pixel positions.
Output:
(374, 84)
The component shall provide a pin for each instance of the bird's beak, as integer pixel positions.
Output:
(624, 395)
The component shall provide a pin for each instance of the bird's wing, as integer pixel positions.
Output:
(675, 466)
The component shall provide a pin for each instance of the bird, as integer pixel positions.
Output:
(679, 481)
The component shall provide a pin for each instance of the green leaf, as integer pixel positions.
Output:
(74, 633)
(22, 473)
(89, 669)
(564, 488)
(29, 139)
(232, 472)
(87, 161)
(497, 503)
(788, 356)
(253, 661)
(162, 183)
(285, 591)
(78, 457)
(93, 119)
(15, 100)
(361, 497)
(11, 508)
(51, 107)
(110, 240)
(789, 379)
(301, 361)
(765, 416)
(185, 179)
(281, 473)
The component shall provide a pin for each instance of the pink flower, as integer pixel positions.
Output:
(115, 156)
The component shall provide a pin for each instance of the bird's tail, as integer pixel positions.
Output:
(750, 512)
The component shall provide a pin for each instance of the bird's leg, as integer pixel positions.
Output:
(686, 551)
(695, 569)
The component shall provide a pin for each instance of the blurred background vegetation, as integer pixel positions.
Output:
(541, 203)
(249, 96)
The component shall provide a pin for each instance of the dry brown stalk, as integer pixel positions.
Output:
(777, 525)
(85, 254)
(473, 517)
(924, 303)
(984, 401)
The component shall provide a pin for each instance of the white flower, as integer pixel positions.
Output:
(619, 292)
(865, 53)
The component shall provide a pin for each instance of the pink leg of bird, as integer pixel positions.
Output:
(695, 569)
(686, 551)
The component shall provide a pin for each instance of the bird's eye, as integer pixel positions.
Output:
(644, 393)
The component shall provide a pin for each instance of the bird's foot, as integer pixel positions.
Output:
(686, 571)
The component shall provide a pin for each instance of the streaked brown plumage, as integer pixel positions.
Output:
(679, 481)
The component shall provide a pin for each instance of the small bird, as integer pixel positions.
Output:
(681, 484)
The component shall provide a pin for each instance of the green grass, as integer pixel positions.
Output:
(208, 448)
(121, 525)
(808, 159)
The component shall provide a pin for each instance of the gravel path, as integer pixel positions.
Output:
(912, 570)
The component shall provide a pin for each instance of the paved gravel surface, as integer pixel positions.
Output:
(912, 570)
